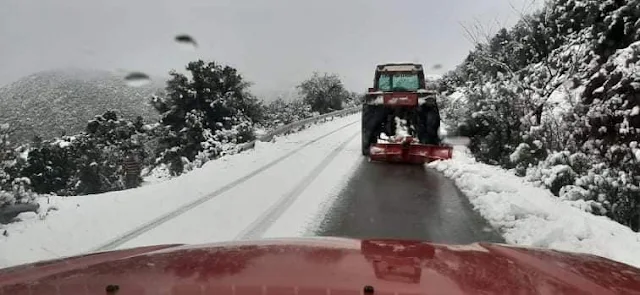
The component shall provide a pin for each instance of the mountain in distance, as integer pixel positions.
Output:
(56, 102)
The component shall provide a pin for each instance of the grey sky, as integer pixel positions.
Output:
(275, 44)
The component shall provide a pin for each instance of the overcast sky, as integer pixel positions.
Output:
(275, 44)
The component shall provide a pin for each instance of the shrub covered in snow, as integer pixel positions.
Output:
(13, 189)
(206, 113)
(556, 98)
(554, 173)
(280, 112)
(87, 163)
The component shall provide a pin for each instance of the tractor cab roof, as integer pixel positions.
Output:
(399, 67)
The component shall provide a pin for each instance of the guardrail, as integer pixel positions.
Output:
(292, 126)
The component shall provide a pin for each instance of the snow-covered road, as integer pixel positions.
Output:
(248, 207)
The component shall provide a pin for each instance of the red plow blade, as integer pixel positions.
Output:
(411, 153)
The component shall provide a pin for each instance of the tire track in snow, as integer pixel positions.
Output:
(112, 244)
(257, 228)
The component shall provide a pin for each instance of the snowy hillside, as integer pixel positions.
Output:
(555, 98)
(52, 103)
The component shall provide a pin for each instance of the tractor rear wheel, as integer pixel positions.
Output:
(372, 120)
(429, 124)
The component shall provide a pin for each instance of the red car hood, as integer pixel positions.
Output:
(324, 266)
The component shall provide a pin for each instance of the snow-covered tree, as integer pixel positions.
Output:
(205, 113)
(324, 93)
(556, 97)
(280, 112)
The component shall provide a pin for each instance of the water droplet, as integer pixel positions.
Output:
(186, 42)
(137, 79)
(437, 66)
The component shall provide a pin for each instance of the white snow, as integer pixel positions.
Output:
(562, 101)
(458, 97)
(159, 174)
(63, 143)
(531, 216)
(379, 100)
(624, 127)
(402, 130)
(634, 148)
(80, 224)
(309, 210)
(519, 152)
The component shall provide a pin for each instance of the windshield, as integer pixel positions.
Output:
(127, 123)
(399, 82)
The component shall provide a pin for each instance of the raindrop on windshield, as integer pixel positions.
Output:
(437, 66)
(137, 79)
(186, 42)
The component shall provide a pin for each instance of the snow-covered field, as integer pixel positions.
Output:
(233, 196)
(531, 216)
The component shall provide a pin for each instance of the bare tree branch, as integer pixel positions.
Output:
(469, 35)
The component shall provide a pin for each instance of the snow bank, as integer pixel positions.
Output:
(531, 216)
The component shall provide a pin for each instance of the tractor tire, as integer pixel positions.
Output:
(372, 119)
(429, 125)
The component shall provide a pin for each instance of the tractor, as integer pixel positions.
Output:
(400, 117)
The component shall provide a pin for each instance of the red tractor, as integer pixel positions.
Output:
(400, 117)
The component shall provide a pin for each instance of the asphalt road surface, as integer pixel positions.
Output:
(405, 202)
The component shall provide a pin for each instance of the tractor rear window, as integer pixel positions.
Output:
(399, 82)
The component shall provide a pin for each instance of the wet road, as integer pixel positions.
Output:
(406, 202)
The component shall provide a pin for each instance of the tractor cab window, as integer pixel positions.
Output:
(398, 82)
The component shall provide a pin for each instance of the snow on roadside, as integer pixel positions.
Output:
(310, 208)
(159, 174)
(527, 215)
(79, 224)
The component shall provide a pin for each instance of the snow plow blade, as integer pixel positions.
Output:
(409, 153)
